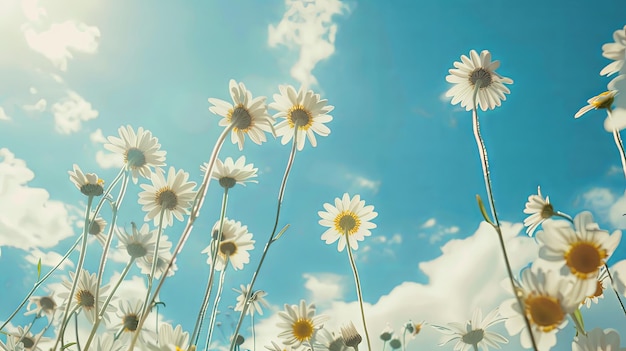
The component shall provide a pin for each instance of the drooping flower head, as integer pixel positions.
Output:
(234, 246)
(44, 305)
(477, 70)
(248, 115)
(141, 151)
(299, 323)
(351, 336)
(598, 102)
(96, 229)
(615, 51)
(229, 172)
(173, 196)
(88, 183)
(304, 109)
(256, 300)
(538, 209)
(349, 217)
(473, 333)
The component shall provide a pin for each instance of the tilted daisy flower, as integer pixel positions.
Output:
(256, 300)
(299, 323)
(329, 341)
(173, 196)
(582, 251)
(44, 305)
(473, 333)
(304, 108)
(248, 115)
(28, 340)
(139, 242)
(235, 244)
(85, 295)
(349, 216)
(597, 340)
(170, 339)
(163, 258)
(141, 151)
(107, 342)
(96, 229)
(88, 183)
(615, 51)
(351, 336)
(477, 70)
(538, 209)
(129, 315)
(599, 102)
(601, 284)
(548, 297)
(229, 172)
(11, 345)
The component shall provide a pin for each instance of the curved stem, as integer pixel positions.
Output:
(218, 296)
(482, 151)
(76, 331)
(155, 259)
(214, 244)
(618, 141)
(195, 210)
(281, 193)
(608, 271)
(359, 294)
(404, 340)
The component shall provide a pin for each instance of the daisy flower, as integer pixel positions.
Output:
(386, 334)
(235, 244)
(43, 305)
(28, 340)
(229, 172)
(395, 343)
(11, 345)
(249, 116)
(140, 242)
(163, 259)
(473, 333)
(303, 108)
(96, 229)
(141, 151)
(129, 315)
(170, 338)
(256, 300)
(538, 209)
(174, 196)
(299, 323)
(477, 70)
(88, 183)
(85, 295)
(349, 215)
(597, 340)
(106, 342)
(329, 341)
(601, 284)
(615, 51)
(548, 297)
(582, 251)
(351, 337)
(602, 101)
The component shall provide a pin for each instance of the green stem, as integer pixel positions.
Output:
(359, 294)
(253, 332)
(614, 289)
(155, 259)
(482, 151)
(218, 296)
(76, 331)
(618, 141)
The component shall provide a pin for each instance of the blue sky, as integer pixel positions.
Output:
(73, 74)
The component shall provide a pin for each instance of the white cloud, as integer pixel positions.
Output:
(49, 259)
(3, 115)
(429, 223)
(97, 137)
(71, 111)
(39, 106)
(308, 26)
(28, 218)
(396, 239)
(324, 287)
(105, 159)
(32, 11)
(360, 183)
(58, 42)
(598, 198)
(32, 90)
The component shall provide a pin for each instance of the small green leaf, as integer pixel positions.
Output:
(282, 231)
(483, 211)
(68, 345)
(39, 269)
(579, 322)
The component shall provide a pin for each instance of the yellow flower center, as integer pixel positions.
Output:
(228, 248)
(480, 75)
(347, 221)
(134, 158)
(584, 258)
(302, 329)
(547, 211)
(166, 198)
(130, 322)
(298, 114)
(241, 117)
(85, 299)
(603, 101)
(544, 311)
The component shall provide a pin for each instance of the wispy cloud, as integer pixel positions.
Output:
(3, 115)
(105, 159)
(307, 26)
(49, 259)
(39, 106)
(436, 232)
(70, 112)
(360, 183)
(429, 223)
(324, 287)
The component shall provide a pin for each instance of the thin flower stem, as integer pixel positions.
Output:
(28, 328)
(618, 141)
(475, 347)
(608, 271)
(482, 151)
(79, 266)
(384, 345)
(214, 244)
(359, 294)
(155, 258)
(281, 193)
(564, 215)
(43, 331)
(403, 339)
(76, 331)
(100, 314)
(195, 210)
(216, 303)
(108, 191)
(39, 282)
(253, 332)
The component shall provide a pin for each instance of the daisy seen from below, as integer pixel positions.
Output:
(88, 183)
(141, 151)
(539, 209)
(478, 71)
(170, 339)
(348, 217)
(615, 51)
(329, 341)
(248, 116)
(548, 297)
(597, 340)
(582, 251)
(598, 102)
(28, 340)
(96, 229)
(106, 342)
(44, 305)
(234, 247)
(299, 324)
(140, 242)
(601, 284)
(11, 345)
(128, 314)
(163, 259)
(474, 334)
(229, 172)
(304, 109)
(85, 295)
(173, 196)
(257, 300)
